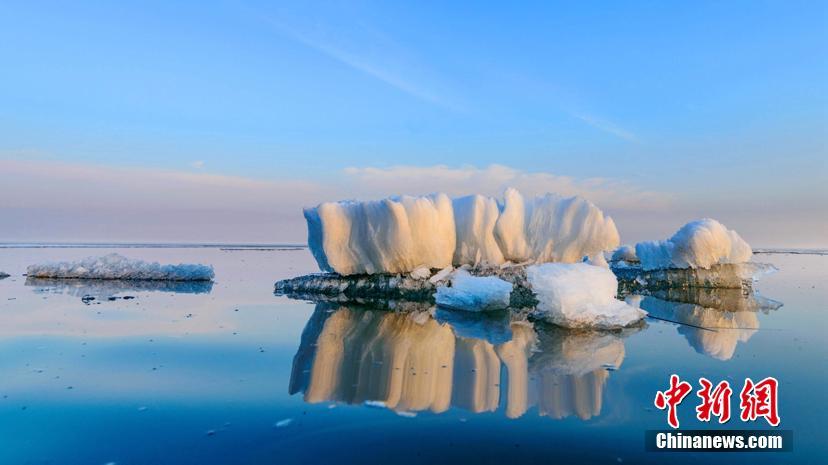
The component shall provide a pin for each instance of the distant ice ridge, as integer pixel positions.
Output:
(474, 293)
(698, 244)
(579, 295)
(401, 234)
(114, 266)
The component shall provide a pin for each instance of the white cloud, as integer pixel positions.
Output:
(198, 164)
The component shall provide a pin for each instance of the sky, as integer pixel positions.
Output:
(219, 121)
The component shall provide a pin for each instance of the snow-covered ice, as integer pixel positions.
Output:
(393, 235)
(475, 217)
(625, 253)
(579, 295)
(698, 244)
(474, 293)
(551, 228)
(114, 266)
(402, 234)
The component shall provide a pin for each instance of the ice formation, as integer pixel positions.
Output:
(474, 293)
(475, 217)
(625, 253)
(551, 228)
(114, 266)
(394, 235)
(579, 295)
(698, 244)
(404, 234)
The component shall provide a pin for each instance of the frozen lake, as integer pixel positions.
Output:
(229, 373)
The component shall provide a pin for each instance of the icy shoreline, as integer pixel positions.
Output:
(117, 267)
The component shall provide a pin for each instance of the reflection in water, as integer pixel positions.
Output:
(713, 321)
(103, 288)
(414, 362)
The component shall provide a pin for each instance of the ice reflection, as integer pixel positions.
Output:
(104, 288)
(714, 321)
(413, 362)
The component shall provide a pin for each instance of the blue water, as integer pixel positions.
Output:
(234, 374)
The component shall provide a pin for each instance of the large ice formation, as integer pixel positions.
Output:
(402, 234)
(114, 266)
(393, 235)
(474, 293)
(698, 244)
(579, 295)
(551, 228)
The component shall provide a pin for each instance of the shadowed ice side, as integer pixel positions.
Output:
(102, 289)
(412, 361)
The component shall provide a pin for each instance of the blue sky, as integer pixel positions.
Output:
(720, 108)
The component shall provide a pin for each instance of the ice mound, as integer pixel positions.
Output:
(394, 235)
(625, 253)
(114, 266)
(406, 234)
(474, 293)
(475, 217)
(579, 295)
(698, 244)
(551, 228)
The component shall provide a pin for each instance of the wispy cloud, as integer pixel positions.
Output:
(380, 58)
(607, 126)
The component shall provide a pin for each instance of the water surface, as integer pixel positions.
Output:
(134, 373)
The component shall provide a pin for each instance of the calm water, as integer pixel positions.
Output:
(230, 373)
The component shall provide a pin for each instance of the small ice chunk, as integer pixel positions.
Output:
(597, 260)
(441, 275)
(283, 423)
(421, 272)
(625, 253)
(406, 414)
(579, 295)
(114, 266)
(474, 293)
(698, 244)
(375, 404)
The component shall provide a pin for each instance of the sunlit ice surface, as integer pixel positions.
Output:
(127, 372)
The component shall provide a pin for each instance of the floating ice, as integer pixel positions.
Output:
(551, 228)
(474, 293)
(114, 266)
(393, 235)
(404, 234)
(579, 295)
(625, 253)
(698, 244)
(4, 275)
